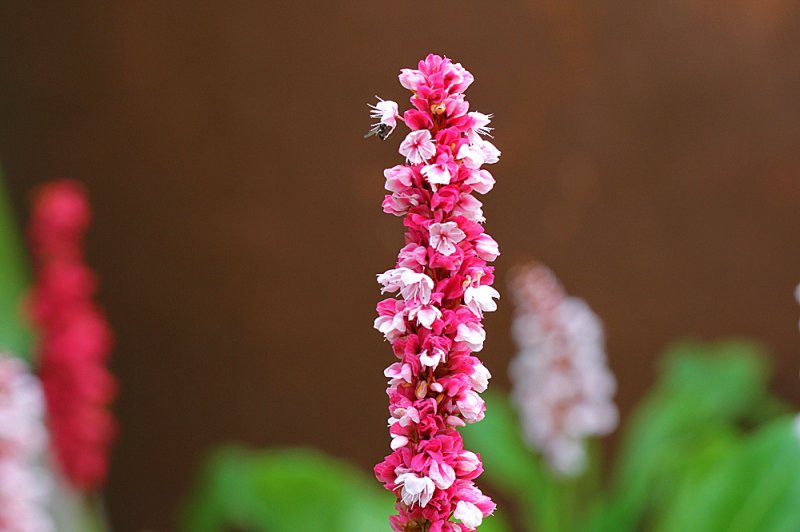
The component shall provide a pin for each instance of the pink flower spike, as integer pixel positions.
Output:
(442, 287)
(418, 147)
(74, 337)
(444, 237)
(562, 386)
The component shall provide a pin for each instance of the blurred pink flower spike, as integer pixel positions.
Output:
(74, 336)
(562, 385)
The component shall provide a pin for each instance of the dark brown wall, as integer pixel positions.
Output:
(650, 157)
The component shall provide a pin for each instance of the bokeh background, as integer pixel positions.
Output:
(650, 157)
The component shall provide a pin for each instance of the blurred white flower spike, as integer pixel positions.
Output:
(562, 386)
(24, 485)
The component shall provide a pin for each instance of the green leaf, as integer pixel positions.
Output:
(704, 392)
(495, 523)
(15, 336)
(286, 490)
(677, 510)
(757, 489)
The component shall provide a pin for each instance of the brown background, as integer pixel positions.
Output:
(650, 157)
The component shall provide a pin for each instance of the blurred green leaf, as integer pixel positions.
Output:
(291, 490)
(495, 523)
(678, 507)
(14, 334)
(286, 490)
(705, 391)
(757, 489)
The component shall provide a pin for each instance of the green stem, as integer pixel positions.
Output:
(92, 520)
(568, 506)
(14, 333)
(544, 510)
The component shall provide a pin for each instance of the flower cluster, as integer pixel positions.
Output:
(444, 285)
(561, 382)
(24, 486)
(75, 339)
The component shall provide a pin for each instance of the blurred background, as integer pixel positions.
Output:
(650, 157)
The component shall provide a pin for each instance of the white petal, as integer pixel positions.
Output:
(398, 442)
(469, 514)
(430, 361)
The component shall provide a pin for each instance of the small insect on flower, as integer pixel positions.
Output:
(386, 113)
(380, 130)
